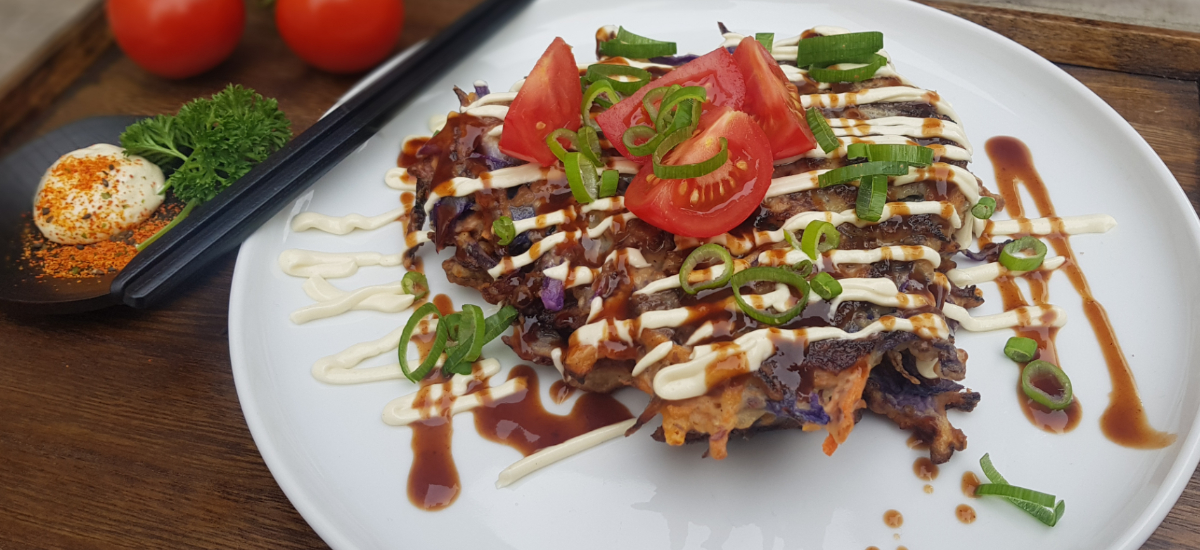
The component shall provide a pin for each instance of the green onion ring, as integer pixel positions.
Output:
(1010, 259)
(589, 145)
(641, 132)
(439, 343)
(1021, 350)
(767, 39)
(460, 356)
(854, 47)
(676, 97)
(812, 243)
(872, 195)
(685, 117)
(852, 172)
(415, 283)
(684, 171)
(581, 175)
(772, 274)
(704, 253)
(606, 71)
(594, 91)
(498, 322)
(1036, 367)
(556, 147)
(826, 286)
(804, 268)
(912, 155)
(452, 322)
(656, 94)
(504, 230)
(1019, 493)
(857, 74)
(984, 208)
(821, 130)
(609, 179)
(1041, 513)
(627, 44)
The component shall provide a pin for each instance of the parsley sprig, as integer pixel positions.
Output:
(209, 144)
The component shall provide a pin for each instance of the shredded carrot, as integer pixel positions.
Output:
(847, 400)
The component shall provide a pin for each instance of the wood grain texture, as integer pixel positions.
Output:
(1090, 43)
(123, 429)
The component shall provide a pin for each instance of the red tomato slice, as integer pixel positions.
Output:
(773, 101)
(715, 202)
(715, 70)
(548, 100)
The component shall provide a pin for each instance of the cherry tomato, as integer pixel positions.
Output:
(548, 100)
(177, 38)
(772, 101)
(715, 202)
(340, 36)
(715, 70)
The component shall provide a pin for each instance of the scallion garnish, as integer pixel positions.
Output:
(804, 268)
(826, 286)
(634, 133)
(852, 172)
(652, 98)
(1042, 513)
(677, 97)
(984, 208)
(706, 253)
(594, 91)
(415, 283)
(683, 171)
(819, 236)
(857, 74)
(767, 39)
(605, 72)
(872, 195)
(608, 183)
(771, 274)
(589, 145)
(821, 130)
(1010, 259)
(1020, 349)
(498, 322)
(1012, 491)
(1041, 369)
(472, 334)
(439, 342)
(504, 230)
(552, 141)
(627, 44)
(581, 175)
(912, 155)
(854, 47)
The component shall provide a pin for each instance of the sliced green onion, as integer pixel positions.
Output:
(1041, 513)
(415, 283)
(852, 172)
(608, 183)
(813, 244)
(439, 343)
(627, 44)
(685, 117)
(1012, 491)
(706, 253)
(857, 74)
(684, 171)
(589, 145)
(826, 286)
(498, 322)
(912, 155)
(605, 72)
(653, 139)
(821, 130)
(872, 195)
(676, 97)
(504, 230)
(1042, 368)
(556, 146)
(804, 268)
(984, 208)
(1020, 349)
(854, 47)
(472, 334)
(1010, 259)
(452, 323)
(581, 174)
(767, 39)
(772, 274)
(656, 95)
(594, 91)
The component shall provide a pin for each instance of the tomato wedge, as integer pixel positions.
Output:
(548, 100)
(715, 202)
(772, 100)
(715, 70)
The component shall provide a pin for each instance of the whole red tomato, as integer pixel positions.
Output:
(177, 38)
(340, 36)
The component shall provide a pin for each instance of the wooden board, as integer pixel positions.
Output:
(123, 429)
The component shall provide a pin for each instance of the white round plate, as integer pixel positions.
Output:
(346, 471)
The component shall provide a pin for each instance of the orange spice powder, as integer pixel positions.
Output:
(96, 259)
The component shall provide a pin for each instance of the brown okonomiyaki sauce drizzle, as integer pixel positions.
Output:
(433, 478)
(1124, 421)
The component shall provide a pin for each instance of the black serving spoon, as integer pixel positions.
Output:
(222, 224)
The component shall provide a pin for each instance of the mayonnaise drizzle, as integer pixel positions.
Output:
(332, 265)
(555, 453)
(402, 412)
(1070, 225)
(331, 301)
(1026, 316)
(991, 271)
(341, 225)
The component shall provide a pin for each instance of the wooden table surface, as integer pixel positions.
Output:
(122, 428)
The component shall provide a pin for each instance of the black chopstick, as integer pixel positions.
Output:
(222, 224)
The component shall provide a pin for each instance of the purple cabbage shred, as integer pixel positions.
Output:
(553, 294)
